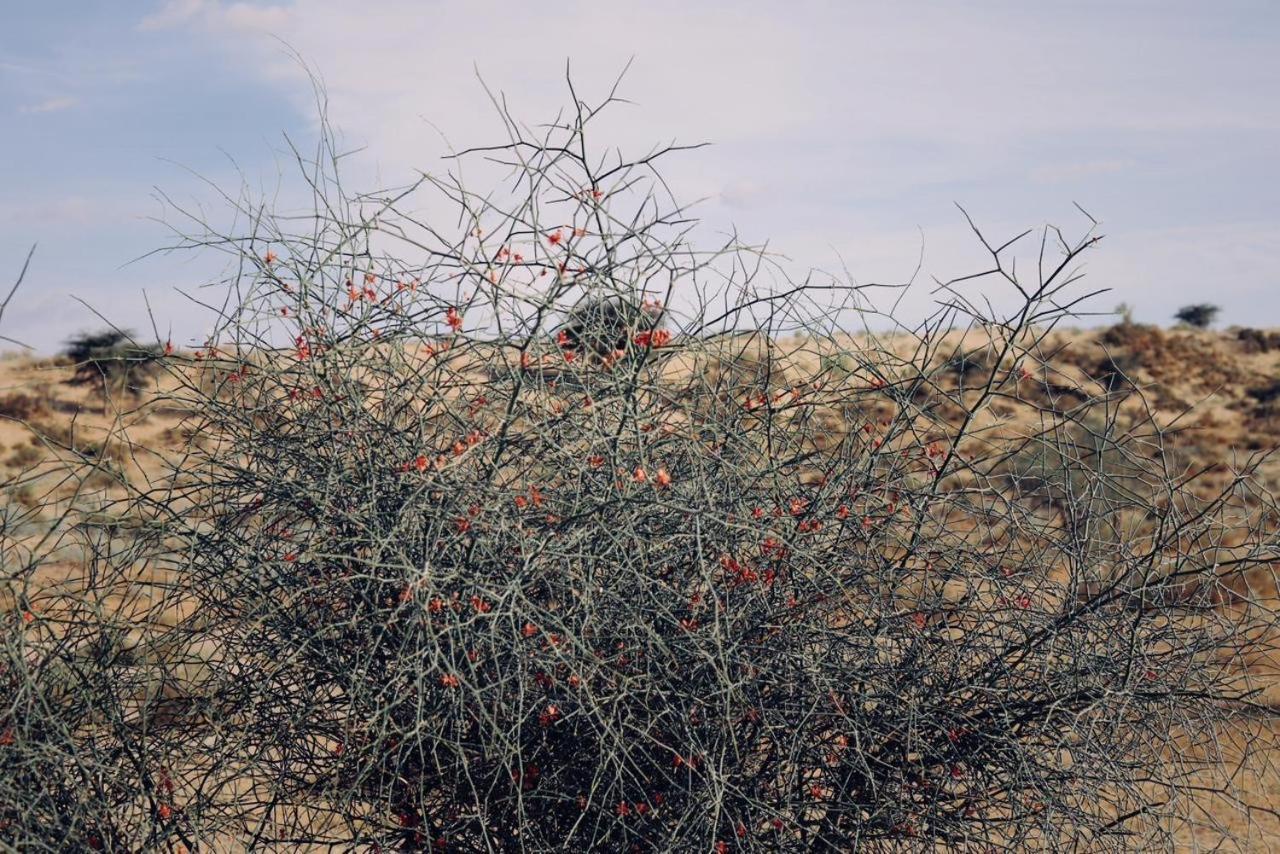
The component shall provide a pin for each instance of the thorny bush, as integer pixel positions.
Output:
(744, 582)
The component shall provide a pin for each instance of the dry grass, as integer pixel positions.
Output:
(1212, 396)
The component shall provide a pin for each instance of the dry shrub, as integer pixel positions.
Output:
(21, 406)
(734, 589)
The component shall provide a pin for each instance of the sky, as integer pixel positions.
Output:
(843, 133)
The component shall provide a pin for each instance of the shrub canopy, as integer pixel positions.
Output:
(744, 581)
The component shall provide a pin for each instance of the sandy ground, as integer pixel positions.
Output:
(48, 426)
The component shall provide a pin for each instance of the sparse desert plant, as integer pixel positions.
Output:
(21, 406)
(442, 605)
(112, 360)
(1199, 316)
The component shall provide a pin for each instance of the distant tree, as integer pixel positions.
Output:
(1200, 315)
(111, 357)
(1126, 313)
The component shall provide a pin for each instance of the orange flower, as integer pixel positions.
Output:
(420, 462)
(168, 348)
(639, 476)
(521, 502)
(270, 257)
(595, 461)
(656, 338)
(164, 811)
(448, 680)
(662, 478)
(463, 525)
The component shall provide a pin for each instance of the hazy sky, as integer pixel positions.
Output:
(840, 129)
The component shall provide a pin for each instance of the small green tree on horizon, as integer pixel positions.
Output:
(110, 357)
(1198, 315)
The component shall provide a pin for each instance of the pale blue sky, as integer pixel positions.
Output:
(839, 127)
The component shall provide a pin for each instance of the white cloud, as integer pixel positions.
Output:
(1058, 173)
(51, 105)
(172, 14)
(216, 16)
(828, 119)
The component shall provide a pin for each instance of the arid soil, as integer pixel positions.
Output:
(1214, 396)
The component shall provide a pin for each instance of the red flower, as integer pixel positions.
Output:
(269, 258)
(595, 461)
(639, 476)
(662, 478)
(919, 619)
(528, 777)
(529, 630)
(656, 338)
(480, 605)
(420, 462)
(623, 809)
(452, 318)
(554, 239)
(448, 680)
(164, 811)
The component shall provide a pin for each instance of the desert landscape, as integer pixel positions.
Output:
(639, 428)
(74, 452)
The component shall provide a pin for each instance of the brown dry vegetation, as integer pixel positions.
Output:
(1210, 397)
